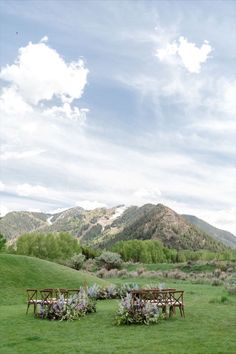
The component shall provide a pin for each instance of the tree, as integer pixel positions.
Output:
(2, 241)
(53, 246)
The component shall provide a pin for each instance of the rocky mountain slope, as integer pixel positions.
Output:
(103, 227)
(221, 235)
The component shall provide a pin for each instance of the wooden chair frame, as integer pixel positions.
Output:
(166, 298)
(32, 299)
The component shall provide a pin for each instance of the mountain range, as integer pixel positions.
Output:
(103, 227)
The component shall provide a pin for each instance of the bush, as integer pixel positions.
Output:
(90, 265)
(77, 261)
(137, 313)
(109, 260)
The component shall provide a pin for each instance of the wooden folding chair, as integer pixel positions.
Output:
(32, 299)
(47, 296)
(61, 292)
(176, 299)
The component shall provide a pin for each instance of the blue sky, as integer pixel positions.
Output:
(119, 102)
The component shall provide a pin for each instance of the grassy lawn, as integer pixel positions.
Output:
(209, 327)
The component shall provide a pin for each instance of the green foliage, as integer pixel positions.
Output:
(48, 246)
(90, 252)
(109, 260)
(77, 261)
(140, 251)
(2, 242)
(153, 251)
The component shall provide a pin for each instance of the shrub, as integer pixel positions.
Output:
(77, 261)
(109, 260)
(90, 265)
(137, 313)
(216, 282)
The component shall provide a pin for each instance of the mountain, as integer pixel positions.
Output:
(161, 223)
(103, 227)
(221, 235)
(19, 222)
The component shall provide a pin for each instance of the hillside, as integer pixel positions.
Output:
(221, 235)
(20, 272)
(103, 227)
(162, 223)
(18, 222)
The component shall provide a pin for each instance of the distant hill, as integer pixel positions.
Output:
(103, 227)
(161, 223)
(20, 272)
(221, 235)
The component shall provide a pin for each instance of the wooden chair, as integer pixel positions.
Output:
(176, 299)
(47, 296)
(72, 292)
(59, 292)
(32, 299)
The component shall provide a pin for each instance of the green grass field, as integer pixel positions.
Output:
(209, 326)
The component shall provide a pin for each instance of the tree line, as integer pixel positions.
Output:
(63, 246)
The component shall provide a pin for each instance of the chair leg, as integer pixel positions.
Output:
(35, 307)
(183, 311)
(27, 309)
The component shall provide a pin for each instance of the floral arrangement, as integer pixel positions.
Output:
(74, 307)
(137, 313)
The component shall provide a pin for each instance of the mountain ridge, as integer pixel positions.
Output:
(105, 226)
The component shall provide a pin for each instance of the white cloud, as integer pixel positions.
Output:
(146, 195)
(28, 190)
(90, 205)
(3, 210)
(190, 56)
(68, 112)
(58, 210)
(2, 186)
(44, 39)
(220, 218)
(34, 210)
(12, 103)
(39, 73)
(17, 155)
(38, 77)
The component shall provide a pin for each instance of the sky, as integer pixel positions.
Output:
(104, 103)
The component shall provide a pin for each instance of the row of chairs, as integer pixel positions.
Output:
(47, 296)
(164, 299)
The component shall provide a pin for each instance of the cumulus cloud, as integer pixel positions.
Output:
(40, 75)
(90, 205)
(11, 102)
(188, 54)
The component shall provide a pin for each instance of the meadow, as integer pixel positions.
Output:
(208, 328)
